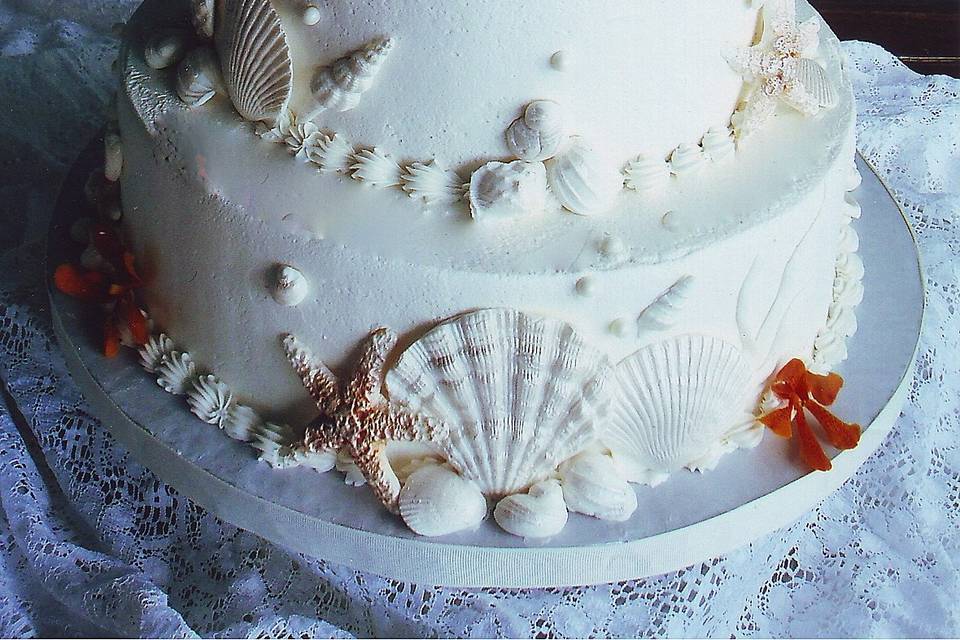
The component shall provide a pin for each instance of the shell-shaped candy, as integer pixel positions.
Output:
(582, 179)
(539, 513)
(435, 501)
(198, 77)
(519, 393)
(499, 190)
(537, 136)
(290, 286)
(676, 401)
(340, 86)
(593, 485)
(257, 67)
(164, 50)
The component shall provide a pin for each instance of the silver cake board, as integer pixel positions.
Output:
(687, 520)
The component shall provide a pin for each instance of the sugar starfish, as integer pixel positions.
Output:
(780, 69)
(356, 418)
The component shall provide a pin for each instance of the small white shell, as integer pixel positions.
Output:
(176, 373)
(582, 179)
(352, 474)
(157, 349)
(687, 159)
(719, 144)
(647, 174)
(320, 461)
(677, 400)
(290, 286)
(274, 442)
(257, 67)
(164, 50)
(537, 136)
(813, 78)
(376, 169)
(210, 400)
(432, 183)
(198, 77)
(312, 16)
(593, 486)
(301, 138)
(340, 86)
(662, 312)
(520, 394)
(499, 190)
(539, 513)
(435, 501)
(331, 153)
(113, 157)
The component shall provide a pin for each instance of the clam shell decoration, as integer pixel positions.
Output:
(257, 67)
(435, 501)
(521, 394)
(593, 486)
(582, 179)
(499, 190)
(340, 86)
(537, 136)
(813, 78)
(198, 77)
(677, 400)
(540, 513)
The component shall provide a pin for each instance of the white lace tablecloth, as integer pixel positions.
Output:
(91, 543)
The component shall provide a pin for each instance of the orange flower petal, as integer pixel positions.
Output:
(129, 264)
(89, 286)
(133, 318)
(111, 338)
(810, 450)
(789, 380)
(824, 389)
(841, 435)
(780, 422)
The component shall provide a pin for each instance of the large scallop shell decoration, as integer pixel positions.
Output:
(255, 58)
(520, 394)
(676, 400)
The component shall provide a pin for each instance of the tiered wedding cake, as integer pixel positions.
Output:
(557, 246)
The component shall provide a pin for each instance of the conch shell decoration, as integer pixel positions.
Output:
(340, 86)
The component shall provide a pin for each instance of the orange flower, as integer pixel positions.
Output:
(113, 288)
(804, 391)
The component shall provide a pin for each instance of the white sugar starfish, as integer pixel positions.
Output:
(356, 418)
(781, 69)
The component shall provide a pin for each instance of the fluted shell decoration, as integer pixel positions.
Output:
(582, 179)
(435, 501)
(520, 394)
(676, 401)
(256, 62)
(340, 86)
(813, 78)
(198, 77)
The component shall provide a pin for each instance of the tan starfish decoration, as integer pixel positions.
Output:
(780, 69)
(356, 418)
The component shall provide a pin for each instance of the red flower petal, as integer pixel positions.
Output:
(131, 315)
(780, 422)
(129, 264)
(824, 389)
(841, 435)
(789, 381)
(89, 286)
(111, 338)
(810, 450)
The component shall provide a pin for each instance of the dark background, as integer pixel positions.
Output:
(924, 33)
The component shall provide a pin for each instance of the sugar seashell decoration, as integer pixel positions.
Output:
(499, 190)
(311, 16)
(539, 513)
(813, 78)
(290, 286)
(719, 144)
(677, 399)
(113, 157)
(257, 66)
(164, 50)
(662, 313)
(332, 154)
(520, 394)
(582, 179)
(198, 77)
(432, 184)
(340, 86)
(647, 174)
(592, 485)
(435, 501)
(537, 136)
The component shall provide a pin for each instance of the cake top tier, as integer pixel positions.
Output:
(440, 79)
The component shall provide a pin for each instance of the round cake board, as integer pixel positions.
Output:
(689, 519)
